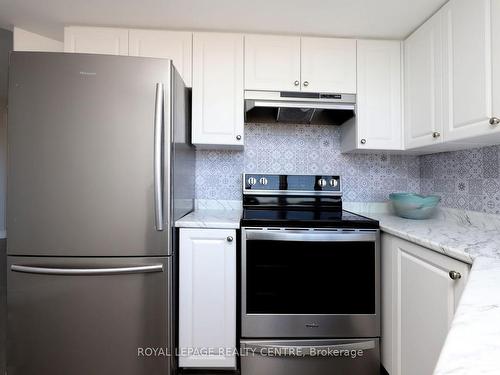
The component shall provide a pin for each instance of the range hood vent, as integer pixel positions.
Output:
(299, 107)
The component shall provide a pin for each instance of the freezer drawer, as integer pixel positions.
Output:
(315, 357)
(84, 316)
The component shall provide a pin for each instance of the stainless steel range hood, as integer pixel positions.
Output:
(299, 107)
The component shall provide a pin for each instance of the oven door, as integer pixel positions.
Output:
(310, 283)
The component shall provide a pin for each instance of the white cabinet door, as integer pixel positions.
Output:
(174, 45)
(328, 65)
(495, 42)
(469, 69)
(379, 115)
(423, 84)
(272, 63)
(207, 297)
(100, 40)
(419, 299)
(218, 113)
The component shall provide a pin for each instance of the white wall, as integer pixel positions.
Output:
(28, 41)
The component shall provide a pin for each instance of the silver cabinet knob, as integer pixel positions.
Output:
(252, 181)
(263, 181)
(322, 182)
(363, 141)
(494, 121)
(238, 137)
(306, 83)
(454, 275)
(296, 83)
(436, 134)
(229, 238)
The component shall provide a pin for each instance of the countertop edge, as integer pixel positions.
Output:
(211, 219)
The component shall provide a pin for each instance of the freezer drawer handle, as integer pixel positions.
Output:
(158, 154)
(292, 350)
(87, 271)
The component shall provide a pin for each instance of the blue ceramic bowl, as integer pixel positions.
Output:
(414, 206)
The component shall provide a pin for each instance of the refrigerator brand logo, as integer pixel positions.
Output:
(88, 73)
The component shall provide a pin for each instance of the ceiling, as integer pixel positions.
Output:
(393, 19)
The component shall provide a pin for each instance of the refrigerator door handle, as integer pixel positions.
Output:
(167, 155)
(158, 153)
(86, 271)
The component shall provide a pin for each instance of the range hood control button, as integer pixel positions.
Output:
(333, 182)
(322, 182)
(252, 181)
(263, 181)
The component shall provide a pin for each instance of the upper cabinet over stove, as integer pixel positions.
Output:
(288, 63)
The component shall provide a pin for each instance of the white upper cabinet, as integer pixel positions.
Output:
(99, 40)
(218, 113)
(272, 63)
(495, 58)
(288, 63)
(174, 45)
(423, 84)
(468, 48)
(379, 107)
(328, 65)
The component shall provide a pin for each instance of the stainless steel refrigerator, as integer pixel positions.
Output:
(99, 167)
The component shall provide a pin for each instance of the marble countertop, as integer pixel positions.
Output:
(473, 342)
(459, 234)
(211, 218)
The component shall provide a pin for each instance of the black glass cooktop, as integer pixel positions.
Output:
(313, 218)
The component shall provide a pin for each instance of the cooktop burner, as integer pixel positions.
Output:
(297, 201)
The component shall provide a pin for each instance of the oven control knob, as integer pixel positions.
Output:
(322, 182)
(263, 181)
(252, 181)
(334, 182)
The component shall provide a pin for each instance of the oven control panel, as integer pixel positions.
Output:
(299, 184)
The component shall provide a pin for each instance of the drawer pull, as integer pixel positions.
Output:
(86, 271)
(454, 275)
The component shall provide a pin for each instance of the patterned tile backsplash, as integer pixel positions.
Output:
(468, 179)
(304, 149)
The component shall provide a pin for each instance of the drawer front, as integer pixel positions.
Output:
(318, 357)
(83, 316)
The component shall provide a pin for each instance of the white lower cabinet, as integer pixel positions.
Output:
(419, 298)
(207, 298)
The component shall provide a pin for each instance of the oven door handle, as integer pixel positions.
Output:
(277, 350)
(315, 236)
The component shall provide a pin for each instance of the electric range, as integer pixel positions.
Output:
(310, 278)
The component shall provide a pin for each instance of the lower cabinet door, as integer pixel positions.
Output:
(315, 357)
(88, 316)
(207, 298)
(420, 292)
